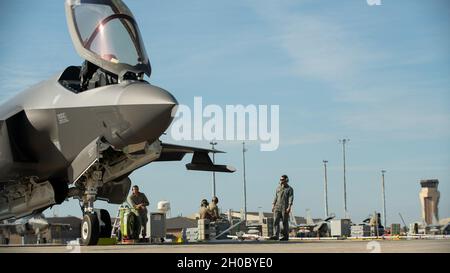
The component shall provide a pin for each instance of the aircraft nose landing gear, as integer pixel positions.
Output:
(96, 222)
(90, 226)
(90, 230)
(95, 225)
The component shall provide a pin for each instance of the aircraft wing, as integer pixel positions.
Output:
(10, 227)
(200, 158)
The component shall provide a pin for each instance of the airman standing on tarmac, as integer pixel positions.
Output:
(281, 208)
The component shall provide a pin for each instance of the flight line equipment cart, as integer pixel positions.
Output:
(127, 226)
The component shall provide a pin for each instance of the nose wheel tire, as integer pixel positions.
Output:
(106, 228)
(90, 229)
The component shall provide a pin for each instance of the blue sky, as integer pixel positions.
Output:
(378, 75)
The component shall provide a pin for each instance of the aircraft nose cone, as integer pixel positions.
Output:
(146, 94)
(146, 111)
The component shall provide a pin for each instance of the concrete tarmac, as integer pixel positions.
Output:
(334, 246)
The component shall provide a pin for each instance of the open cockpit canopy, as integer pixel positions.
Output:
(105, 33)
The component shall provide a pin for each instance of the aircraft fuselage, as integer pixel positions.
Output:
(48, 125)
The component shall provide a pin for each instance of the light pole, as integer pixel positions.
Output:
(326, 188)
(214, 173)
(244, 186)
(344, 141)
(384, 197)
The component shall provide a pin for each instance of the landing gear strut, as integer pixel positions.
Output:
(96, 223)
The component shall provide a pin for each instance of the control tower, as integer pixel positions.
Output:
(429, 199)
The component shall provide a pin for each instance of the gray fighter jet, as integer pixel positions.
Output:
(82, 133)
(30, 225)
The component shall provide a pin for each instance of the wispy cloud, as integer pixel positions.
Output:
(399, 122)
(17, 77)
(370, 81)
(308, 138)
(319, 47)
